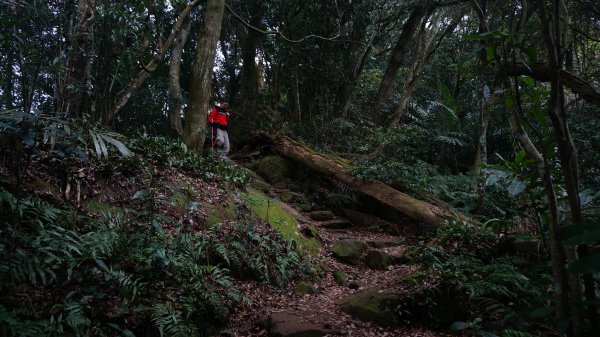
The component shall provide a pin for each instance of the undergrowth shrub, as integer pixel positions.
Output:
(67, 275)
(492, 293)
(171, 153)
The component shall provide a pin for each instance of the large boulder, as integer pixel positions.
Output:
(290, 324)
(321, 215)
(373, 305)
(378, 260)
(349, 250)
(277, 214)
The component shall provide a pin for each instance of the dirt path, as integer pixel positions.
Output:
(318, 313)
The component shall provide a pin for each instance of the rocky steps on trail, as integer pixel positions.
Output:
(356, 295)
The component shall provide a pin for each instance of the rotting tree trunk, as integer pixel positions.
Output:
(413, 208)
(175, 92)
(202, 70)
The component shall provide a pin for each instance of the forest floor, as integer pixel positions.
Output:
(313, 314)
(318, 313)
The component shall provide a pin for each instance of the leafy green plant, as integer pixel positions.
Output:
(176, 154)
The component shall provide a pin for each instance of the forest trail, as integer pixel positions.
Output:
(366, 261)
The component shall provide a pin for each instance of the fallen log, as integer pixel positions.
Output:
(336, 169)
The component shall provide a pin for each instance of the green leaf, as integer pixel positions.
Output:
(119, 145)
(459, 326)
(127, 333)
(531, 54)
(509, 102)
(520, 156)
(102, 266)
(141, 194)
(528, 81)
(490, 53)
(472, 37)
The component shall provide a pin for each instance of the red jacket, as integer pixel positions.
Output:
(219, 116)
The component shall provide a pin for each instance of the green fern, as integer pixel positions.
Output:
(170, 322)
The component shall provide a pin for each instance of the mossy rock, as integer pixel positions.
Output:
(274, 169)
(289, 196)
(378, 260)
(219, 213)
(304, 207)
(373, 305)
(322, 215)
(311, 231)
(339, 277)
(349, 250)
(260, 185)
(279, 218)
(306, 288)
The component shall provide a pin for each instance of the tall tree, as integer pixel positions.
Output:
(75, 98)
(202, 70)
(409, 29)
(175, 93)
(249, 74)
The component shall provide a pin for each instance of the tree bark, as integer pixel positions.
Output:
(553, 39)
(354, 64)
(249, 74)
(175, 92)
(543, 73)
(202, 70)
(75, 98)
(557, 254)
(413, 208)
(402, 45)
(484, 121)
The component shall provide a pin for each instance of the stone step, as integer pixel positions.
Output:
(335, 224)
(294, 324)
(385, 243)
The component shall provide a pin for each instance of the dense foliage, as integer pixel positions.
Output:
(489, 106)
(129, 271)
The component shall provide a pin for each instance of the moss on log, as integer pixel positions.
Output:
(422, 211)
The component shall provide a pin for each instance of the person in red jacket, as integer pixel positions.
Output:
(219, 118)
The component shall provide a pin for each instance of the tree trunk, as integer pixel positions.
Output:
(249, 75)
(8, 85)
(402, 45)
(142, 76)
(481, 153)
(484, 121)
(354, 64)
(556, 248)
(175, 93)
(416, 209)
(74, 99)
(568, 155)
(426, 46)
(202, 70)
